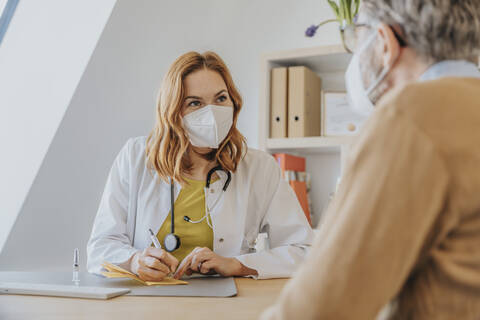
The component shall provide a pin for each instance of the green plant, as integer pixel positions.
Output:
(345, 12)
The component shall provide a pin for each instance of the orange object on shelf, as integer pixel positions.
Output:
(300, 188)
(288, 162)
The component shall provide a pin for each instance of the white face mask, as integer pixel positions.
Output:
(208, 126)
(358, 96)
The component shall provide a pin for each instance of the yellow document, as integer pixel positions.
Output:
(114, 271)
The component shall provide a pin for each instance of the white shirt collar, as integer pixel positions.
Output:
(451, 68)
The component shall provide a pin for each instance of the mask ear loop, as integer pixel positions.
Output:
(385, 70)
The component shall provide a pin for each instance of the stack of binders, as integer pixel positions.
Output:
(295, 102)
(293, 171)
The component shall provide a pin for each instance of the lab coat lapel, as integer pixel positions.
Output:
(165, 205)
(156, 218)
(223, 216)
(215, 192)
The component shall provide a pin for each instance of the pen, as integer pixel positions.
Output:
(154, 239)
(156, 244)
(75, 267)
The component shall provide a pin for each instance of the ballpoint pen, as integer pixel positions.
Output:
(157, 244)
(75, 267)
(154, 239)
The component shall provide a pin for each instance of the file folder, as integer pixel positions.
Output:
(304, 102)
(300, 189)
(278, 102)
(288, 162)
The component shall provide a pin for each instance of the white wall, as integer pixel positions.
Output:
(115, 100)
(42, 58)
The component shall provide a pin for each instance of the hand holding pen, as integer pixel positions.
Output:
(153, 264)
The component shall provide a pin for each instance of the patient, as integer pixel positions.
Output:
(405, 223)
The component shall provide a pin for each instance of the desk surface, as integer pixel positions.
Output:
(253, 297)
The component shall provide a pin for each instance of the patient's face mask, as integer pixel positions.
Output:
(364, 75)
(208, 126)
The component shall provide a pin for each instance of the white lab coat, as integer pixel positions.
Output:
(257, 199)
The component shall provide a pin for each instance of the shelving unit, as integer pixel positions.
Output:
(324, 155)
(308, 145)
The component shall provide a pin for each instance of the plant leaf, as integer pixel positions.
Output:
(341, 8)
(357, 6)
(348, 9)
(335, 8)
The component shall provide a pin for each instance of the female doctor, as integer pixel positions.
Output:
(197, 187)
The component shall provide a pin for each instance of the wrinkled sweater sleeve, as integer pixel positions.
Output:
(391, 194)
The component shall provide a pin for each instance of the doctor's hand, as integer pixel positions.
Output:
(205, 261)
(153, 264)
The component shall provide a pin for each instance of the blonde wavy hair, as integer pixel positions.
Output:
(168, 145)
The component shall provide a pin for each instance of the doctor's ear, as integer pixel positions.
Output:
(388, 45)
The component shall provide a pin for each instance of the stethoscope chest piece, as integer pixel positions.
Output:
(171, 242)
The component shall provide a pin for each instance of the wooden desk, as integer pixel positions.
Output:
(253, 297)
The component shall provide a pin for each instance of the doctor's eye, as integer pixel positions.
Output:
(222, 98)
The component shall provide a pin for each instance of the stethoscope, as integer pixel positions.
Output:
(171, 242)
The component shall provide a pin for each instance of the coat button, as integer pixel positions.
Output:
(220, 240)
(212, 191)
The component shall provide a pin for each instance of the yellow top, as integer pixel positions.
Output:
(190, 202)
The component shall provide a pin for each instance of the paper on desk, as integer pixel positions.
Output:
(114, 271)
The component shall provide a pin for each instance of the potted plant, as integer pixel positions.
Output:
(345, 12)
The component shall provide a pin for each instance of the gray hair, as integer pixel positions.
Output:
(436, 29)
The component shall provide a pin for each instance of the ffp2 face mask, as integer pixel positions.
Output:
(358, 95)
(207, 127)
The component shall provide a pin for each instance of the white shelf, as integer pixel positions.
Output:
(324, 59)
(325, 155)
(307, 145)
(329, 62)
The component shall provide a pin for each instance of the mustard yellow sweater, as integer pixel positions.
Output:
(404, 226)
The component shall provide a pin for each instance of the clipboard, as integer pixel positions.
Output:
(212, 286)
